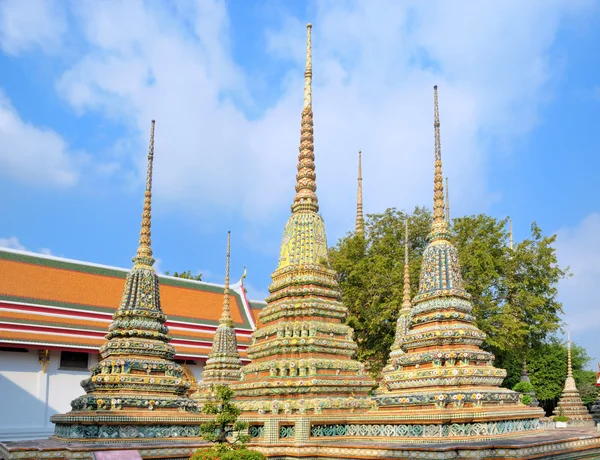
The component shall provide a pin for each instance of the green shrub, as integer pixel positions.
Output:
(527, 400)
(523, 387)
(225, 453)
(561, 418)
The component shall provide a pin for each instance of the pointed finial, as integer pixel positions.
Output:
(406, 298)
(440, 226)
(226, 315)
(306, 198)
(144, 252)
(510, 234)
(569, 365)
(308, 70)
(360, 220)
(447, 203)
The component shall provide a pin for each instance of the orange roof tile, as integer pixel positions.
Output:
(79, 298)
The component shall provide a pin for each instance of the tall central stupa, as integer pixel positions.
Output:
(302, 356)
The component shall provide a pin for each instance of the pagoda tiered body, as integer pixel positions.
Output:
(136, 390)
(437, 369)
(302, 355)
(570, 403)
(223, 364)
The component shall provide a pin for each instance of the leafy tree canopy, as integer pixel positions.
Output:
(514, 291)
(186, 274)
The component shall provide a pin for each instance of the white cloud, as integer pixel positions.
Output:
(374, 65)
(46, 252)
(33, 154)
(11, 243)
(578, 247)
(25, 25)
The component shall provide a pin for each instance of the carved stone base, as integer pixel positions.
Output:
(127, 427)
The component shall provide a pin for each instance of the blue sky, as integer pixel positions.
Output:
(80, 82)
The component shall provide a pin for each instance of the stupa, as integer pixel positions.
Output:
(302, 355)
(570, 403)
(136, 390)
(223, 364)
(404, 315)
(360, 218)
(525, 378)
(437, 373)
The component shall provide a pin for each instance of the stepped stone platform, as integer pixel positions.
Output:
(546, 444)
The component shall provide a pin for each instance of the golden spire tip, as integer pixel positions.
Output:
(306, 198)
(226, 315)
(144, 252)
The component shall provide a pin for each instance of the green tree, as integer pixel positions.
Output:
(224, 429)
(371, 273)
(547, 365)
(187, 275)
(514, 292)
(371, 270)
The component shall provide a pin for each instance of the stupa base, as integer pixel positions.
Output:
(552, 444)
(420, 427)
(127, 427)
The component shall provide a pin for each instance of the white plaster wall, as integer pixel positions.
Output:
(64, 385)
(28, 397)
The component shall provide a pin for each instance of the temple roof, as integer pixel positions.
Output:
(48, 301)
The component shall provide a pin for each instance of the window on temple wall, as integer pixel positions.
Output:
(74, 361)
(14, 350)
(185, 361)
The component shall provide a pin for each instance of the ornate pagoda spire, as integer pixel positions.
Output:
(570, 381)
(144, 252)
(406, 298)
(439, 229)
(360, 220)
(302, 355)
(447, 203)
(404, 315)
(570, 403)
(136, 371)
(306, 187)
(438, 363)
(226, 315)
(223, 364)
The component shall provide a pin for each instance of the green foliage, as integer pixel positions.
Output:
(187, 275)
(226, 453)
(560, 418)
(527, 399)
(523, 387)
(547, 369)
(371, 273)
(226, 419)
(514, 292)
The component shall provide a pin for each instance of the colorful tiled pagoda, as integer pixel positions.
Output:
(437, 370)
(302, 355)
(570, 403)
(136, 390)
(223, 364)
